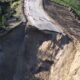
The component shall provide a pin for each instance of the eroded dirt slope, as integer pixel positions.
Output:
(33, 55)
(29, 55)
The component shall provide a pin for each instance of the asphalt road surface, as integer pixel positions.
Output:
(38, 17)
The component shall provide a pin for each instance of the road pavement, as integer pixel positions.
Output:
(38, 17)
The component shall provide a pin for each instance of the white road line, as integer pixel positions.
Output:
(36, 15)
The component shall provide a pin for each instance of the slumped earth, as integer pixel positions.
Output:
(29, 54)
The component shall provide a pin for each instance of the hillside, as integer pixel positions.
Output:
(27, 53)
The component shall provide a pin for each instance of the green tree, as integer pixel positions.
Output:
(5, 11)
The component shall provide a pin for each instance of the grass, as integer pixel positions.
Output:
(74, 4)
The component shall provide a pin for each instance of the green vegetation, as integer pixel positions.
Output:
(74, 4)
(8, 9)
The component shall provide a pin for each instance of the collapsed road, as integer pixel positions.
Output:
(34, 55)
(38, 17)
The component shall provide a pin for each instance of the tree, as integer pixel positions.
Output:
(5, 10)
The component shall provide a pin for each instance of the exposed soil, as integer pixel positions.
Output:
(29, 54)
(21, 58)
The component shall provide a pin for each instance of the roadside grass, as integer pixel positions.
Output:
(74, 4)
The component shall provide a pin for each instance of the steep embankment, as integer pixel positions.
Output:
(30, 55)
(34, 55)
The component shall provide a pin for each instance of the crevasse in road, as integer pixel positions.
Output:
(36, 15)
